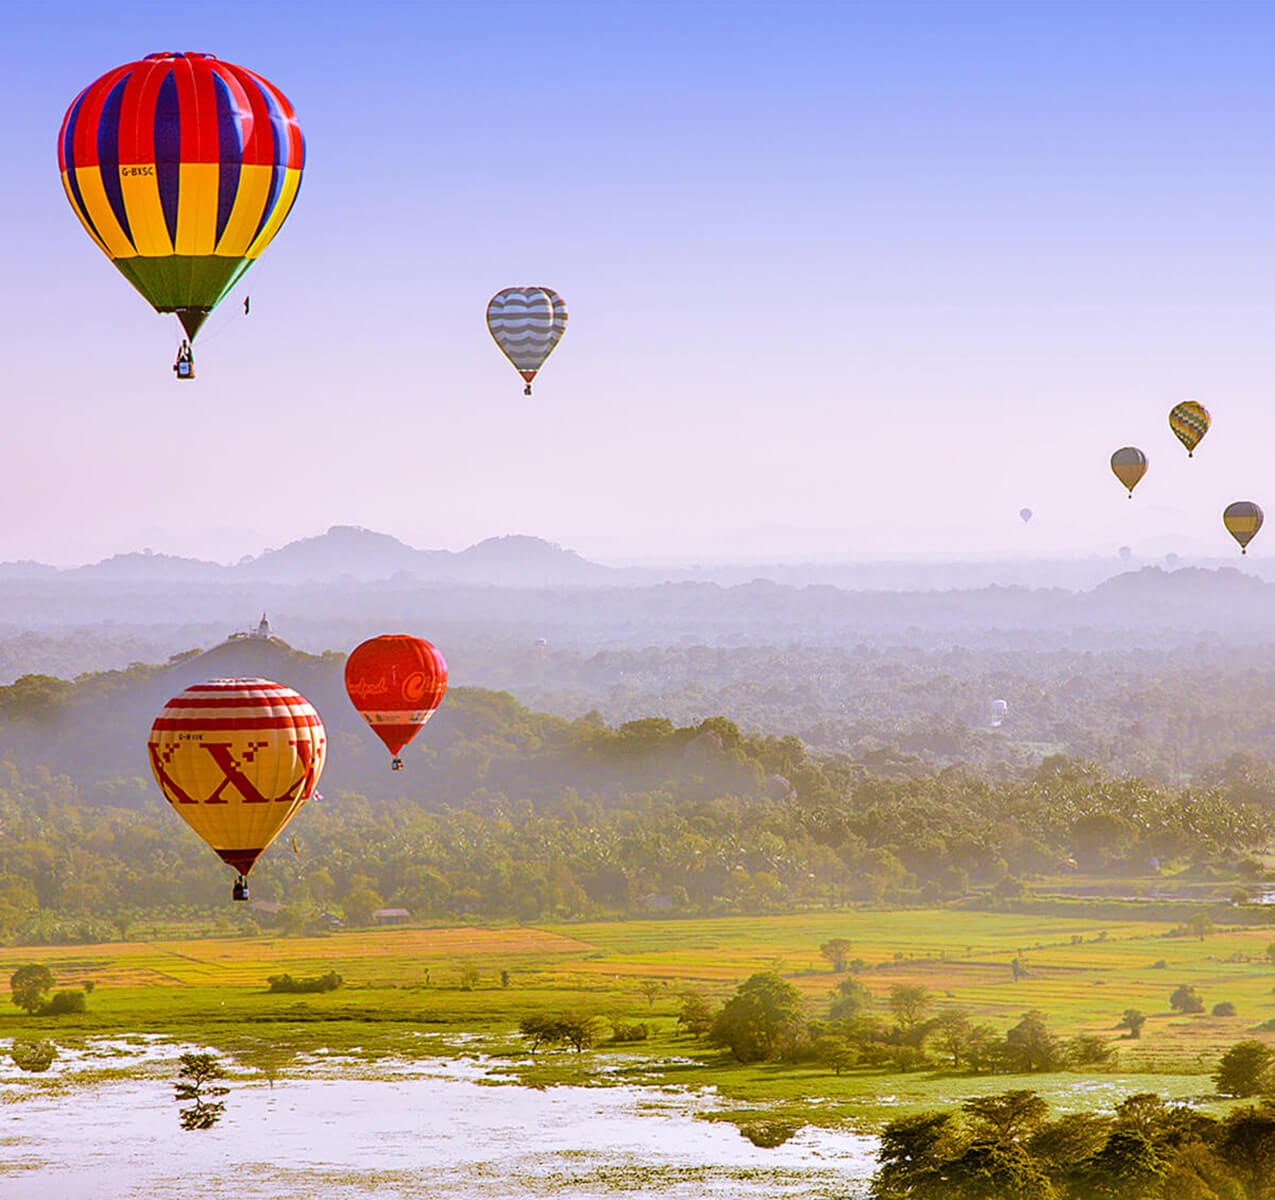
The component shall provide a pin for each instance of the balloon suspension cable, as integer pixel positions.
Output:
(396, 764)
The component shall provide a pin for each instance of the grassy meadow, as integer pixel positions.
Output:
(404, 994)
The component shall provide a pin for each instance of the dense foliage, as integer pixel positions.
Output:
(1007, 1146)
(521, 815)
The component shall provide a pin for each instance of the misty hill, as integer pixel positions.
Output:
(347, 552)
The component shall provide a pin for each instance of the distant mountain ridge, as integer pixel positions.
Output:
(351, 552)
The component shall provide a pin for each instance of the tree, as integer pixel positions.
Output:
(849, 999)
(1247, 1147)
(837, 952)
(1133, 1020)
(1030, 1046)
(360, 904)
(1185, 999)
(650, 988)
(909, 1002)
(28, 984)
(761, 1021)
(468, 977)
(1009, 1117)
(1245, 1069)
(1201, 925)
(913, 1155)
(695, 1015)
(952, 1031)
(195, 1084)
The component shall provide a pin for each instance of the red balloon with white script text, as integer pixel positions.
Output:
(396, 682)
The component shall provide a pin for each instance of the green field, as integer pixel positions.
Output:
(1082, 974)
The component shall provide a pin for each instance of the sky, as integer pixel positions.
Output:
(845, 280)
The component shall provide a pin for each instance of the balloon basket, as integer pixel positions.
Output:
(396, 764)
(241, 889)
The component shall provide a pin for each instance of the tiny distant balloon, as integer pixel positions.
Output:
(1242, 520)
(999, 711)
(527, 323)
(1190, 422)
(1129, 465)
(1025, 515)
(396, 682)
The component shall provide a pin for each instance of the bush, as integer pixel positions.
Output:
(316, 983)
(571, 1029)
(1185, 999)
(1225, 1009)
(769, 1134)
(639, 1031)
(64, 1002)
(33, 1055)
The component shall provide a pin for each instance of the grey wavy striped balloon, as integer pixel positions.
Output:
(527, 323)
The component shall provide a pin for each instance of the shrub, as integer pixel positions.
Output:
(1225, 1009)
(1185, 999)
(64, 1002)
(33, 1055)
(316, 983)
(638, 1031)
(769, 1134)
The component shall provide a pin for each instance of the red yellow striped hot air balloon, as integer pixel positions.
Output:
(237, 758)
(181, 168)
(396, 682)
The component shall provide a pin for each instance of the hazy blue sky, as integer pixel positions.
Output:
(842, 279)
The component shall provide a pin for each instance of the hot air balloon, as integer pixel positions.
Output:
(527, 323)
(1129, 465)
(236, 758)
(999, 711)
(396, 682)
(1025, 515)
(181, 168)
(1242, 520)
(1190, 422)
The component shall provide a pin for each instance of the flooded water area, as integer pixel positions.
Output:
(104, 1123)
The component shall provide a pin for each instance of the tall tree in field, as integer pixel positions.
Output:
(29, 984)
(837, 952)
(909, 1002)
(762, 1020)
(1245, 1069)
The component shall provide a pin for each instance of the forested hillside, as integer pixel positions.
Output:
(507, 813)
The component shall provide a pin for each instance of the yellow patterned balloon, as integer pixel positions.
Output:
(1129, 465)
(1242, 520)
(1190, 422)
(236, 758)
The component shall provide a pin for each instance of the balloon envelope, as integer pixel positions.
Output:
(527, 323)
(1129, 465)
(181, 168)
(237, 758)
(1190, 422)
(396, 681)
(1242, 520)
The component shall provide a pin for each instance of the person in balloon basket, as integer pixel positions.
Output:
(184, 367)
